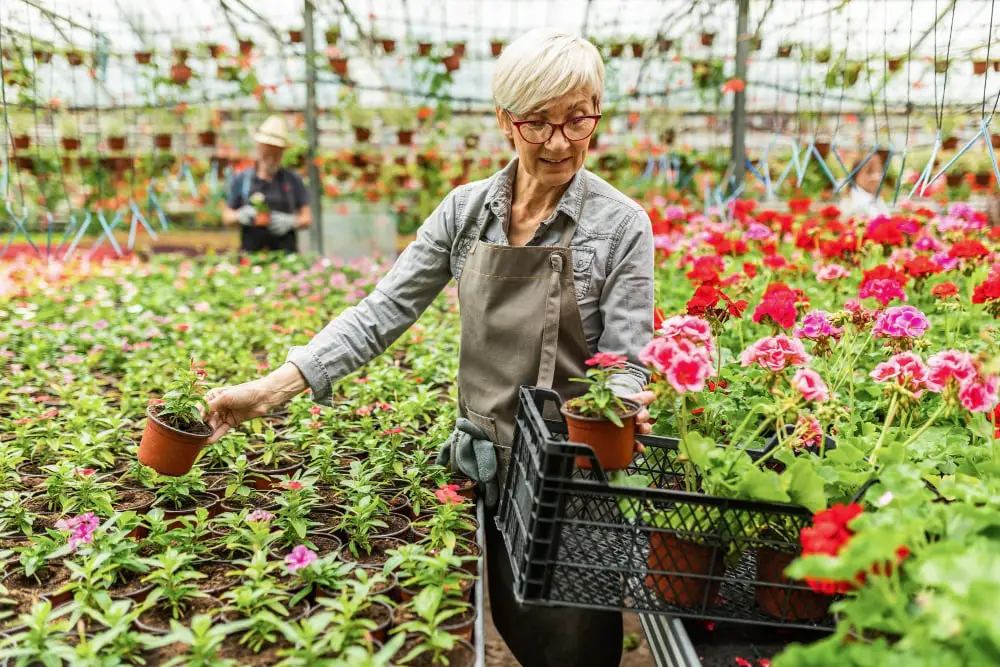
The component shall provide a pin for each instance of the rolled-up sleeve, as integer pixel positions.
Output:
(627, 301)
(363, 332)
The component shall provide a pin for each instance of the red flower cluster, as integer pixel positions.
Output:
(707, 269)
(887, 232)
(884, 284)
(987, 291)
(944, 290)
(968, 250)
(780, 306)
(828, 535)
(705, 300)
(921, 266)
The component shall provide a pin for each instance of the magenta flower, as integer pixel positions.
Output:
(809, 383)
(812, 432)
(830, 272)
(85, 472)
(900, 322)
(758, 232)
(775, 353)
(685, 364)
(816, 326)
(951, 364)
(907, 370)
(448, 493)
(259, 516)
(882, 290)
(81, 529)
(300, 557)
(293, 485)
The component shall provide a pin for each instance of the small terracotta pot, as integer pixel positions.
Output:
(983, 178)
(167, 450)
(404, 137)
(979, 67)
(496, 48)
(206, 138)
(613, 446)
(638, 49)
(452, 62)
(389, 45)
(950, 144)
(295, 36)
(263, 219)
(339, 66)
(164, 141)
(22, 141)
(787, 604)
(246, 46)
(362, 134)
(895, 64)
(116, 143)
(424, 49)
(180, 74)
(70, 143)
(707, 38)
(143, 57)
(458, 49)
(672, 554)
(74, 58)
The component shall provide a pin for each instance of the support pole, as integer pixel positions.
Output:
(739, 123)
(312, 132)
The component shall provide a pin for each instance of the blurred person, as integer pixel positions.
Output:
(267, 201)
(553, 265)
(864, 199)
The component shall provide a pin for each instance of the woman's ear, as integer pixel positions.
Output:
(503, 120)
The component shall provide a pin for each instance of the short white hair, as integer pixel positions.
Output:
(543, 65)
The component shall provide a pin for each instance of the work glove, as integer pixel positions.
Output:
(469, 452)
(247, 215)
(281, 223)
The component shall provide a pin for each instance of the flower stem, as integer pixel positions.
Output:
(890, 415)
(682, 429)
(927, 425)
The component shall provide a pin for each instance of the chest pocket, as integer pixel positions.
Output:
(583, 269)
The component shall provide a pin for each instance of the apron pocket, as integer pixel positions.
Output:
(488, 424)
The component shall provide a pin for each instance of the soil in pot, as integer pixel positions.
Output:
(462, 655)
(689, 588)
(382, 615)
(164, 654)
(613, 446)
(328, 521)
(787, 604)
(274, 474)
(133, 500)
(25, 591)
(133, 587)
(232, 649)
(399, 526)
(324, 545)
(170, 450)
(156, 619)
(207, 500)
(255, 501)
(217, 578)
(378, 556)
(407, 594)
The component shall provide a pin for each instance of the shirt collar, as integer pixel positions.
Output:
(501, 192)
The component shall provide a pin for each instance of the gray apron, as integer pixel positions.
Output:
(521, 326)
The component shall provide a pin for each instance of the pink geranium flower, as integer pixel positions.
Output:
(775, 353)
(688, 327)
(882, 290)
(809, 383)
(907, 370)
(300, 557)
(830, 272)
(816, 325)
(81, 529)
(684, 364)
(900, 322)
(951, 365)
(980, 394)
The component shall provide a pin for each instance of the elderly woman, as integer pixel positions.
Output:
(553, 265)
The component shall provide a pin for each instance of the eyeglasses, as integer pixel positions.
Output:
(540, 131)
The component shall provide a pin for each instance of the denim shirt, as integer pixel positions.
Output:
(612, 248)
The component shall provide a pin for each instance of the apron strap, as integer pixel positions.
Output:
(567, 232)
(550, 325)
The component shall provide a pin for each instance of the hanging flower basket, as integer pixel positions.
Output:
(246, 46)
(389, 45)
(181, 55)
(496, 48)
(983, 179)
(116, 143)
(42, 55)
(180, 74)
(424, 49)
(295, 36)
(954, 179)
(22, 141)
(164, 141)
(339, 66)
(70, 143)
(895, 64)
(707, 38)
(24, 163)
(995, 140)
(362, 134)
(85, 162)
(452, 62)
(74, 58)
(784, 50)
(458, 49)
(405, 138)
(215, 51)
(207, 138)
(332, 35)
(979, 67)
(617, 50)
(666, 44)
(823, 148)
(638, 49)
(941, 66)
(143, 57)
(950, 144)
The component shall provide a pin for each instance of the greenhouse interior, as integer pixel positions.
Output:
(260, 263)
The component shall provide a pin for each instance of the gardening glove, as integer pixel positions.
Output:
(281, 223)
(469, 452)
(247, 215)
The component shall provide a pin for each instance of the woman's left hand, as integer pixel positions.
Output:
(642, 423)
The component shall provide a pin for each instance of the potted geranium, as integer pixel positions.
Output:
(175, 431)
(600, 418)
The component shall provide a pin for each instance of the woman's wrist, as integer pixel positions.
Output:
(284, 384)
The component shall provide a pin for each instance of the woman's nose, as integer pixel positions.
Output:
(557, 141)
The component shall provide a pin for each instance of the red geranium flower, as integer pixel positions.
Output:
(968, 250)
(944, 290)
(921, 266)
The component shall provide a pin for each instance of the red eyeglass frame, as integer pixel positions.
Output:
(554, 126)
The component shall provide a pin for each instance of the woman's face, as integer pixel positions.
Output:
(553, 163)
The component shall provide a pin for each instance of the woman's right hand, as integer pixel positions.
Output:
(228, 407)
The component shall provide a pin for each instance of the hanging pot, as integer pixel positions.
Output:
(167, 450)
(666, 45)
(405, 138)
(823, 147)
(696, 570)
(24, 163)
(983, 179)
(207, 138)
(116, 143)
(22, 141)
(74, 58)
(996, 65)
(458, 49)
(389, 45)
(339, 66)
(954, 179)
(163, 141)
(452, 62)
(295, 36)
(613, 445)
(424, 49)
(707, 38)
(617, 50)
(895, 64)
(332, 35)
(496, 48)
(362, 134)
(941, 66)
(215, 51)
(950, 144)
(785, 51)
(979, 67)
(84, 162)
(638, 48)
(143, 57)
(246, 46)
(995, 140)
(180, 74)
(42, 56)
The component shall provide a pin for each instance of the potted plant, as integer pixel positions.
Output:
(665, 43)
(784, 50)
(452, 62)
(42, 53)
(404, 119)
(895, 63)
(69, 132)
(21, 124)
(164, 123)
(338, 62)
(424, 49)
(361, 120)
(295, 35)
(496, 47)
(113, 127)
(707, 38)
(246, 46)
(458, 48)
(941, 66)
(638, 47)
(332, 34)
(74, 57)
(949, 124)
(600, 418)
(143, 57)
(175, 431)
(823, 55)
(204, 124)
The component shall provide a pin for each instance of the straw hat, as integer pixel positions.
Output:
(272, 132)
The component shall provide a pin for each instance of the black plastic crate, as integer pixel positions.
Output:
(576, 540)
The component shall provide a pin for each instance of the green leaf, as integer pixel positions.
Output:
(804, 485)
(697, 448)
(764, 485)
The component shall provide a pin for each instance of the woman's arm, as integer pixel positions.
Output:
(627, 301)
(363, 332)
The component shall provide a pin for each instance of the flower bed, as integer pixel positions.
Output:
(358, 549)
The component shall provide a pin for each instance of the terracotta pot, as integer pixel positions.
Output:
(362, 134)
(995, 140)
(612, 445)
(496, 48)
(784, 51)
(895, 64)
(823, 147)
(787, 604)
(617, 50)
(167, 450)
(389, 45)
(979, 67)
(22, 141)
(24, 162)
(332, 35)
(70, 143)
(263, 219)
(180, 73)
(452, 62)
(207, 138)
(116, 143)
(163, 140)
(458, 49)
(692, 564)
(208, 501)
(950, 144)
(143, 57)
(85, 162)
(666, 44)
(295, 36)
(424, 48)
(941, 66)
(400, 531)
(983, 179)
(74, 58)
(637, 49)
(405, 138)
(246, 46)
(339, 66)
(707, 38)
(42, 56)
